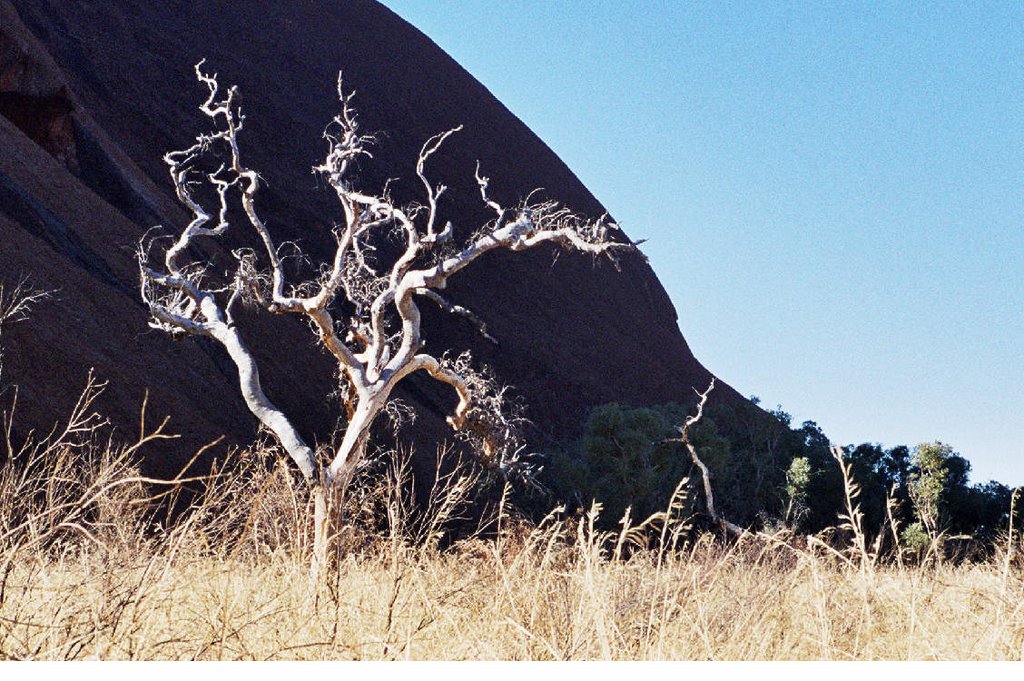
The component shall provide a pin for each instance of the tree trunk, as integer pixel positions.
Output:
(257, 401)
(328, 502)
(321, 534)
(353, 445)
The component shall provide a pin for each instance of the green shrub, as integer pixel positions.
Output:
(915, 538)
(625, 459)
(798, 480)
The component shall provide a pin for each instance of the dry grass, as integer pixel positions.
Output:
(481, 603)
(88, 569)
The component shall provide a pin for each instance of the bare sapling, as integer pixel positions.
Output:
(363, 307)
(15, 305)
(709, 496)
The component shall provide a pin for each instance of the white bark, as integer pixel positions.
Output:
(705, 474)
(270, 416)
(380, 344)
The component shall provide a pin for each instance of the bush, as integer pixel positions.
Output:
(915, 538)
(624, 459)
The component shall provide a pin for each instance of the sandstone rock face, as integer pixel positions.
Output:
(32, 93)
(93, 93)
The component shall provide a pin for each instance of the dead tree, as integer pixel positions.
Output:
(15, 305)
(709, 496)
(365, 313)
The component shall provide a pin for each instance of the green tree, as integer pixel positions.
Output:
(798, 480)
(928, 477)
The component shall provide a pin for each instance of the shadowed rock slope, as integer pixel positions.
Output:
(93, 93)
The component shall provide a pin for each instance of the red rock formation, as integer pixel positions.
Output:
(573, 333)
(33, 95)
(46, 120)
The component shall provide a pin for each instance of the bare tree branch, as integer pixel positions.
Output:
(709, 495)
(15, 306)
(436, 297)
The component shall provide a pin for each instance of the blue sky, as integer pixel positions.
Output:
(833, 194)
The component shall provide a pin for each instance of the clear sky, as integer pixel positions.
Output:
(833, 194)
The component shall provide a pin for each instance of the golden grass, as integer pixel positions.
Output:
(535, 595)
(88, 570)
(477, 602)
